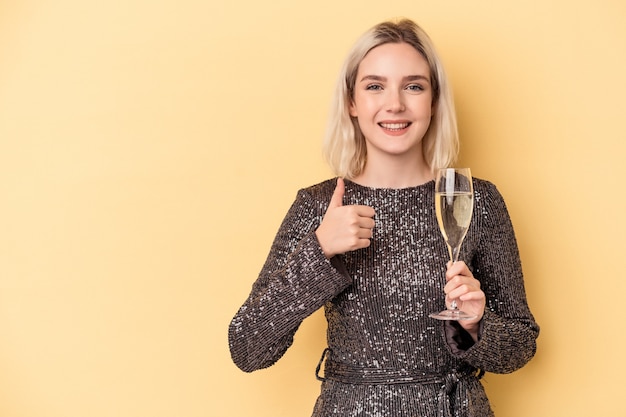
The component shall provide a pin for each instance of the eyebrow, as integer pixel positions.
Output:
(407, 78)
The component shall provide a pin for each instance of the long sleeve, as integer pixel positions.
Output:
(295, 281)
(507, 339)
(377, 300)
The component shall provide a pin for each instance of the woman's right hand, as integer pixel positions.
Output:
(344, 228)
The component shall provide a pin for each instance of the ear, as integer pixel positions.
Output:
(352, 109)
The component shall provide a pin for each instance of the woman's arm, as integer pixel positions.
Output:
(295, 281)
(508, 331)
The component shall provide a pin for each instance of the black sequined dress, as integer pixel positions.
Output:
(386, 357)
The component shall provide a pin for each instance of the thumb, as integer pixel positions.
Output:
(337, 199)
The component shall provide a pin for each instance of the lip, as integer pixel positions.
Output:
(394, 127)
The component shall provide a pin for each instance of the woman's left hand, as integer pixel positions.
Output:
(465, 289)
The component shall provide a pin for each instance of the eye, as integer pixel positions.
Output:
(374, 87)
(417, 88)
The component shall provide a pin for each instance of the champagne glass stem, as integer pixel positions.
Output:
(454, 253)
(454, 257)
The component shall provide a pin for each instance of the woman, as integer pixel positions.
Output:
(366, 246)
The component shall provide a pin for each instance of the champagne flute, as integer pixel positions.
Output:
(454, 204)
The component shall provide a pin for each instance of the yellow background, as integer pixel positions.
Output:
(150, 148)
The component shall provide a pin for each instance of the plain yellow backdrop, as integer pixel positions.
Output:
(149, 150)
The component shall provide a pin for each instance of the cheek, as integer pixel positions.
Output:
(357, 105)
(363, 107)
(427, 109)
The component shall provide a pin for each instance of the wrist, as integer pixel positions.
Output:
(323, 247)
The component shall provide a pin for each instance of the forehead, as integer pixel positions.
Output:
(394, 59)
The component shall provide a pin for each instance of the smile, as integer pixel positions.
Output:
(394, 126)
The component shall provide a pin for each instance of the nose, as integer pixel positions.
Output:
(395, 102)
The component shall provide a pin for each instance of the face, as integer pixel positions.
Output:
(393, 100)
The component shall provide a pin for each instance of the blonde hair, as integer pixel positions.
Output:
(344, 145)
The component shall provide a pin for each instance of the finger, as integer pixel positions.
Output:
(364, 233)
(364, 243)
(465, 290)
(458, 268)
(337, 199)
(472, 296)
(455, 268)
(366, 223)
(364, 211)
(461, 280)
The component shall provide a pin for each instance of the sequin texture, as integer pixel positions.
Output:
(386, 357)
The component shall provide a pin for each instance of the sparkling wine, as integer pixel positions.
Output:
(454, 213)
(454, 204)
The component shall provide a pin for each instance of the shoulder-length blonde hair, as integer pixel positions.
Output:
(344, 145)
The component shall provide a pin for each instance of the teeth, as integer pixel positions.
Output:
(394, 125)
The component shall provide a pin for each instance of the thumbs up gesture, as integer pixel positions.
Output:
(344, 228)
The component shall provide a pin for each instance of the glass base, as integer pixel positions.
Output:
(452, 315)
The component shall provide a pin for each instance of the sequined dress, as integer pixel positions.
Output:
(386, 357)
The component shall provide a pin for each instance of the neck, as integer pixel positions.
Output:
(396, 175)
